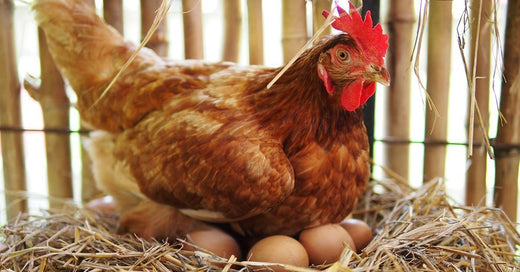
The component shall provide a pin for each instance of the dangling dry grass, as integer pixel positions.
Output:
(415, 230)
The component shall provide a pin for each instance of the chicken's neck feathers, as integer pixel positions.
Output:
(299, 107)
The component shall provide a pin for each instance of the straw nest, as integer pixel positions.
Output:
(415, 230)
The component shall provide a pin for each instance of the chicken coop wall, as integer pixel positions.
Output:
(248, 32)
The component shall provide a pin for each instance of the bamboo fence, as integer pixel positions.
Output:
(481, 36)
(10, 114)
(401, 19)
(232, 30)
(50, 93)
(438, 86)
(192, 18)
(256, 32)
(401, 26)
(159, 41)
(294, 27)
(507, 142)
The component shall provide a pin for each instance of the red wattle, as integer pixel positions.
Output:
(356, 94)
(351, 95)
(367, 92)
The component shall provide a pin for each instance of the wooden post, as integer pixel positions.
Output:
(113, 14)
(438, 86)
(401, 21)
(256, 32)
(55, 110)
(232, 30)
(192, 18)
(10, 115)
(317, 18)
(159, 40)
(508, 135)
(476, 175)
(294, 23)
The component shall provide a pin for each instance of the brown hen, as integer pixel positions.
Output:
(186, 141)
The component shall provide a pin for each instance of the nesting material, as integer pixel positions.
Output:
(420, 230)
(415, 230)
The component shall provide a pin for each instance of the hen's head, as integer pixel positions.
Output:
(355, 62)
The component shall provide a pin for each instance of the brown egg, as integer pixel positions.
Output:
(359, 231)
(104, 205)
(279, 249)
(214, 240)
(325, 243)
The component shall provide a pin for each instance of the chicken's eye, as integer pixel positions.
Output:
(342, 55)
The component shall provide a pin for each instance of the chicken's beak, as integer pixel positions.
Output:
(378, 74)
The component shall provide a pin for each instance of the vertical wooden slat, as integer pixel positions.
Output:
(256, 32)
(438, 86)
(294, 31)
(113, 14)
(232, 30)
(10, 114)
(317, 18)
(508, 135)
(401, 21)
(192, 18)
(159, 40)
(55, 111)
(476, 175)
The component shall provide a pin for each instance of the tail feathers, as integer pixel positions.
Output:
(88, 52)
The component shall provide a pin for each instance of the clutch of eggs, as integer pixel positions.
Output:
(317, 246)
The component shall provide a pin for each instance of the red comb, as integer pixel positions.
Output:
(370, 39)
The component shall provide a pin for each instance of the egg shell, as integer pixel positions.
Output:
(214, 240)
(359, 231)
(325, 243)
(279, 249)
(104, 205)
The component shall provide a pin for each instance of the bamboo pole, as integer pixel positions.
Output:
(256, 32)
(476, 175)
(192, 18)
(401, 21)
(10, 115)
(159, 40)
(55, 110)
(508, 135)
(113, 14)
(438, 86)
(294, 31)
(232, 30)
(317, 18)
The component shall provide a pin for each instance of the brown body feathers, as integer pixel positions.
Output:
(210, 141)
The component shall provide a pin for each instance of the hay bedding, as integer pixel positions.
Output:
(415, 230)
